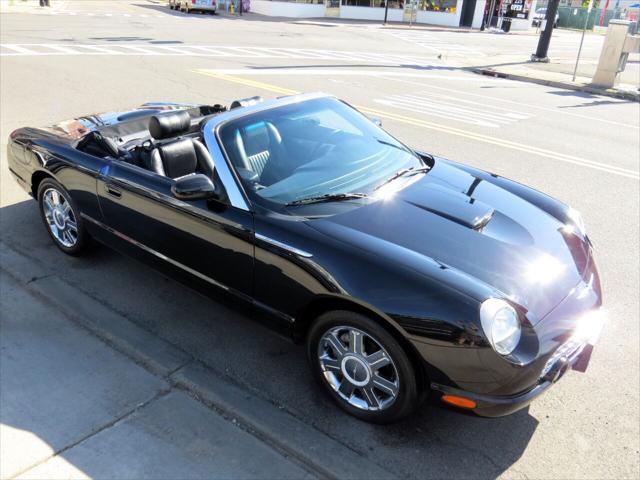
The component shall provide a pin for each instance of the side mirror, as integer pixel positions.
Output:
(194, 187)
(376, 121)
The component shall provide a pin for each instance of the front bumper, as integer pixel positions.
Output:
(574, 354)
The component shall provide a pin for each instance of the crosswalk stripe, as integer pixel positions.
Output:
(210, 51)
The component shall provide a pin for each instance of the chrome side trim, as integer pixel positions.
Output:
(221, 165)
(283, 246)
(190, 270)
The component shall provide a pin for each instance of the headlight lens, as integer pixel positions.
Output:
(501, 325)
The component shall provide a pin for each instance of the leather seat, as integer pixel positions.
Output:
(179, 157)
(258, 145)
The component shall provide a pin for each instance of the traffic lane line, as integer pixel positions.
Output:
(622, 172)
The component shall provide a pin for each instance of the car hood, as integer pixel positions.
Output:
(476, 227)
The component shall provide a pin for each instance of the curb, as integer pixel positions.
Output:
(315, 449)
(608, 92)
(269, 423)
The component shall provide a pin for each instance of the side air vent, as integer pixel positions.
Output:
(246, 102)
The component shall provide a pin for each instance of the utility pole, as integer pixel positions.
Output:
(386, 10)
(584, 29)
(545, 36)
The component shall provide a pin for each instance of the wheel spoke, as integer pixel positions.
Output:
(71, 225)
(330, 364)
(346, 388)
(335, 343)
(48, 203)
(370, 397)
(55, 196)
(356, 342)
(378, 360)
(385, 385)
(66, 208)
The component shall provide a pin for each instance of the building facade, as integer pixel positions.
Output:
(447, 13)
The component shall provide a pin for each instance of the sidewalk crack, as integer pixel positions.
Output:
(112, 423)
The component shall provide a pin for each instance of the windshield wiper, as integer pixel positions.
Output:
(401, 173)
(329, 197)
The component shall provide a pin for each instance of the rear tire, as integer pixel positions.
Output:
(61, 217)
(362, 367)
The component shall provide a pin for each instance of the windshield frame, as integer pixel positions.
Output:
(216, 124)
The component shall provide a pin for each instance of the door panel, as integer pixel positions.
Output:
(207, 238)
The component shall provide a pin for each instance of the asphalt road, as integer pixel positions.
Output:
(581, 148)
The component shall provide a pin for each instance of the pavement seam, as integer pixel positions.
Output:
(112, 423)
(269, 441)
(245, 425)
(244, 422)
(91, 330)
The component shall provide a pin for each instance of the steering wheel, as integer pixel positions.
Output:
(325, 143)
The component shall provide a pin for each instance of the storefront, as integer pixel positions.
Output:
(449, 13)
(511, 14)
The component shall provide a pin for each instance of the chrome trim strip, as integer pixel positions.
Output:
(224, 171)
(157, 254)
(283, 246)
(221, 163)
(190, 270)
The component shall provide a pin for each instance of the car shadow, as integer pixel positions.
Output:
(435, 442)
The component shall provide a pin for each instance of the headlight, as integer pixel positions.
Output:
(576, 218)
(500, 324)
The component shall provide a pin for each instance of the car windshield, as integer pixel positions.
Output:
(319, 147)
(541, 10)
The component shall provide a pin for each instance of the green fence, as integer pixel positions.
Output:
(571, 17)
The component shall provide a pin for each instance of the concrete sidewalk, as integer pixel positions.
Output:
(559, 75)
(84, 392)
(72, 407)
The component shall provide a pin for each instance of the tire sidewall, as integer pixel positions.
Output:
(82, 234)
(408, 396)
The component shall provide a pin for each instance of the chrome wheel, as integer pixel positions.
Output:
(60, 217)
(358, 368)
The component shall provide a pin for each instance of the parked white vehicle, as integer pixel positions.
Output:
(194, 5)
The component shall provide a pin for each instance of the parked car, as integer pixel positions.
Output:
(406, 275)
(540, 15)
(188, 6)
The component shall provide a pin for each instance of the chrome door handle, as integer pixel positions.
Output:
(113, 191)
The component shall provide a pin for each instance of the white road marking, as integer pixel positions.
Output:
(460, 93)
(434, 105)
(334, 72)
(17, 50)
(214, 51)
(438, 42)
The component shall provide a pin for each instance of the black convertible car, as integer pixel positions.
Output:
(406, 274)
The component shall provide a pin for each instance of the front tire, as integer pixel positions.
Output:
(61, 218)
(362, 367)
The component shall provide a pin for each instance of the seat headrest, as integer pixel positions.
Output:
(179, 158)
(170, 124)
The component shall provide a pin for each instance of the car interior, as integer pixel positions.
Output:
(168, 143)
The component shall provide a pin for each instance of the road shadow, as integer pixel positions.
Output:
(434, 443)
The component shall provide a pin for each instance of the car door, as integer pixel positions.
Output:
(207, 238)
